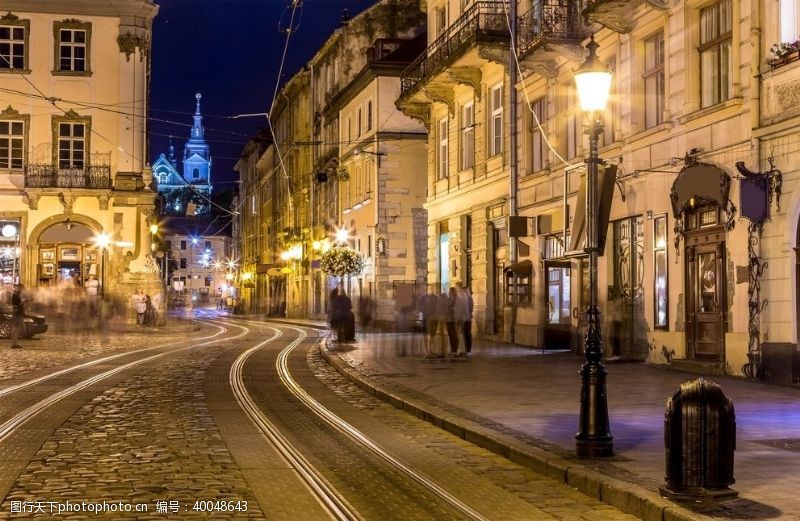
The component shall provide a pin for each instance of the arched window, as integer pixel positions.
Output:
(196, 173)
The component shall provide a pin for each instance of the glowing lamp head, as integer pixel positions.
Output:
(316, 245)
(342, 235)
(284, 255)
(153, 229)
(8, 231)
(102, 240)
(593, 81)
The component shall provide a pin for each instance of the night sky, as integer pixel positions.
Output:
(230, 51)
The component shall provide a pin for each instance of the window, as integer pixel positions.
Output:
(468, 136)
(654, 81)
(611, 114)
(442, 150)
(183, 245)
(195, 173)
(496, 122)
(558, 295)
(12, 137)
(790, 20)
(72, 46)
(183, 263)
(538, 145)
(369, 115)
(208, 246)
(715, 53)
(440, 21)
(349, 130)
(13, 44)
(444, 257)
(358, 123)
(209, 280)
(660, 271)
(574, 115)
(71, 145)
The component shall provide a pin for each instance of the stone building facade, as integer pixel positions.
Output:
(71, 171)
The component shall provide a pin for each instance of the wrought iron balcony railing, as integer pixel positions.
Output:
(482, 21)
(548, 21)
(51, 176)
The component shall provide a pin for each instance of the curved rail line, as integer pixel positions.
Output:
(9, 426)
(344, 427)
(330, 499)
(14, 388)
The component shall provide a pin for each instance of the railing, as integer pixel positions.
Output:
(51, 176)
(481, 20)
(549, 20)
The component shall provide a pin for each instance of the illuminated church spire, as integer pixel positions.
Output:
(197, 142)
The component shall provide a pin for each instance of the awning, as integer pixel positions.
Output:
(524, 268)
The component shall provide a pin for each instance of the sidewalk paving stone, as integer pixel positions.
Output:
(523, 403)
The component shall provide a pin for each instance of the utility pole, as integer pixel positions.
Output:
(512, 199)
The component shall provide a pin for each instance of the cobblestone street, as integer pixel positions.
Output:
(54, 349)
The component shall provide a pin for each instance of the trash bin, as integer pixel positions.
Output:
(700, 438)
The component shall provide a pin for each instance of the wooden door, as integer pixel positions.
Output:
(705, 288)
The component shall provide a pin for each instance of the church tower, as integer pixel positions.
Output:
(196, 154)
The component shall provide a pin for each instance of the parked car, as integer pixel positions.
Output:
(34, 323)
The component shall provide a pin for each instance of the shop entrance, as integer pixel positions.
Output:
(67, 255)
(705, 285)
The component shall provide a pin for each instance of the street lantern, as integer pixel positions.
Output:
(342, 235)
(594, 439)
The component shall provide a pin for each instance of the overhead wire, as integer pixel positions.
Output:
(53, 101)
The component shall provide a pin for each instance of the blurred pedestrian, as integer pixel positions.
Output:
(140, 305)
(17, 316)
(442, 310)
(427, 306)
(365, 311)
(467, 319)
(345, 319)
(452, 320)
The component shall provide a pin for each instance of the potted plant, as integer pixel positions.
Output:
(783, 50)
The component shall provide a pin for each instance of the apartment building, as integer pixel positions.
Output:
(74, 185)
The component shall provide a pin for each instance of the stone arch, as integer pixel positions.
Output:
(32, 244)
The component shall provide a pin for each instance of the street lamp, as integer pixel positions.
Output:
(8, 231)
(593, 82)
(342, 235)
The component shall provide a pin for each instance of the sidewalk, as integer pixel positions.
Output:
(523, 403)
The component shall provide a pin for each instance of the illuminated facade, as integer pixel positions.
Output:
(72, 171)
(194, 186)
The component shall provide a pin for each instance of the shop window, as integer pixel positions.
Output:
(558, 295)
(660, 271)
(518, 288)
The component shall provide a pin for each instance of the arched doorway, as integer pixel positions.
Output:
(66, 254)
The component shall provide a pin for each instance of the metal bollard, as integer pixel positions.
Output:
(700, 439)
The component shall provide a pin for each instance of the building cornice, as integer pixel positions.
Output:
(138, 8)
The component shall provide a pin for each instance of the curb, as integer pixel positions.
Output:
(628, 497)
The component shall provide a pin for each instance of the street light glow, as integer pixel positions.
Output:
(153, 229)
(593, 81)
(8, 231)
(102, 240)
(342, 235)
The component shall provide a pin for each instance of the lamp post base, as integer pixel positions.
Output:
(594, 440)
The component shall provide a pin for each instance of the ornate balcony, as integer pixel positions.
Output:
(51, 176)
(617, 15)
(549, 27)
(483, 22)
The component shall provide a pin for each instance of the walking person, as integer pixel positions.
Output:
(140, 305)
(453, 322)
(427, 307)
(17, 316)
(467, 320)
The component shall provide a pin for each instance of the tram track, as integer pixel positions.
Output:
(334, 501)
(19, 418)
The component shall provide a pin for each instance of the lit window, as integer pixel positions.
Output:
(442, 150)
(790, 20)
(496, 124)
(661, 293)
(715, 53)
(468, 136)
(12, 136)
(654, 80)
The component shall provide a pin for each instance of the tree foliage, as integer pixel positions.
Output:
(341, 261)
